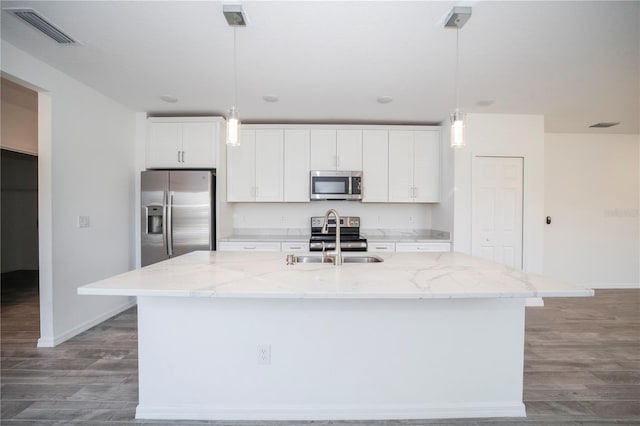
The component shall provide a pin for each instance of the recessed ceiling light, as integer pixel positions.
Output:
(169, 98)
(605, 124)
(270, 98)
(384, 99)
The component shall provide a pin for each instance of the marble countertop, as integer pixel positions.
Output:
(266, 275)
(406, 236)
(386, 235)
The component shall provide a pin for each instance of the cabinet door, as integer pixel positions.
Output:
(164, 144)
(199, 145)
(426, 178)
(241, 179)
(248, 245)
(322, 149)
(401, 165)
(269, 156)
(296, 165)
(375, 166)
(349, 149)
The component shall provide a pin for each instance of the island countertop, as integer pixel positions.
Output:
(444, 275)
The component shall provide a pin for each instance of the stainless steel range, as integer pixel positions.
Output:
(350, 239)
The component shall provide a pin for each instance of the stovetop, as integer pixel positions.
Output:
(350, 239)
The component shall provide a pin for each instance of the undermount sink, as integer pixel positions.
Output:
(291, 259)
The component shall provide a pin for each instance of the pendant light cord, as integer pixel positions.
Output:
(235, 70)
(457, 64)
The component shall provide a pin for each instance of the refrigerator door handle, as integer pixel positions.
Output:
(170, 226)
(165, 238)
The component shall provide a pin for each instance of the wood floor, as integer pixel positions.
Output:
(582, 366)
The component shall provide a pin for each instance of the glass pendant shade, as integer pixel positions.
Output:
(233, 128)
(457, 129)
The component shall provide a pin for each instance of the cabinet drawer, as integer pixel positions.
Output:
(373, 246)
(248, 246)
(295, 246)
(416, 247)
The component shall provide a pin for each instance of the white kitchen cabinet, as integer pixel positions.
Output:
(249, 246)
(183, 142)
(295, 246)
(375, 166)
(269, 165)
(377, 246)
(418, 247)
(335, 149)
(414, 166)
(255, 169)
(296, 165)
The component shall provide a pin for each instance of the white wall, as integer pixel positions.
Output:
(503, 135)
(592, 187)
(19, 130)
(86, 167)
(297, 215)
(442, 213)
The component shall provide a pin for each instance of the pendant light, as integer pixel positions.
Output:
(456, 19)
(235, 17)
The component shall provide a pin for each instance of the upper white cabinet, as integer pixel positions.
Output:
(255, 169)
(400, 164)
(296, 165)
(183, 142)
(375, 166)
(414, 166)
(335, 149)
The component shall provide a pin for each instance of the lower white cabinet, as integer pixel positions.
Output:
(381, 246)
(417, 247)
(295, 246)
(249, 246)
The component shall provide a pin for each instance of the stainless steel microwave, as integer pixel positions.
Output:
(335, 185)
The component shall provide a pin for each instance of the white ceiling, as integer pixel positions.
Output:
(576, 62)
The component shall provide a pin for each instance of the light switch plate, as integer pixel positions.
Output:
(84, 221)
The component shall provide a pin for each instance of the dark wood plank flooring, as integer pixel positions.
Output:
(582, 366)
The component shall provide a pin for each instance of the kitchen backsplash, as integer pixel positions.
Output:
(296, 215)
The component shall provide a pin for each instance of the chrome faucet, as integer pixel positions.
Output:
(337, 254)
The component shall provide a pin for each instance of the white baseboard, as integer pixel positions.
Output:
(328, 412)
(604, 286)
(533, 301)
(46, 342)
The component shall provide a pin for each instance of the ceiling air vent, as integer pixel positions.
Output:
(40, 23)
(605, 124)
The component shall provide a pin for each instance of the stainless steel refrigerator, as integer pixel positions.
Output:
(178, 213)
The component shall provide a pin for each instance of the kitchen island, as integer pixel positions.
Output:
(233, 335)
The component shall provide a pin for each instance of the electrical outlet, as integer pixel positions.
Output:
(84, 221)
(284, 220)
(410, 219)
(264, 354)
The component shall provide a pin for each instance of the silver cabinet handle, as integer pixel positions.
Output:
(249, 248)
(183, 156)
(295, 248)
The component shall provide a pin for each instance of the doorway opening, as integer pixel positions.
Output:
(19, 212)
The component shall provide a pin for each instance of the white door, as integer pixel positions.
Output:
(241, 168)
(165, 142)
(349, 150)
(296, 165)
(375, 166)
(426, 177)
(401, 164)
(269, 160)
(198, 144)
(497, 196)
(322, 149)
